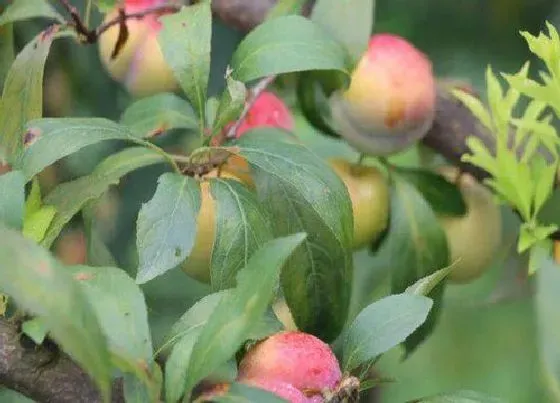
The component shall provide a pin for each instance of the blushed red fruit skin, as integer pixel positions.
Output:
(296, 358)
(281, 389)
(390, 102)
(267, 111)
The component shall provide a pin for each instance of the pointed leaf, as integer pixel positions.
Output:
(40, 286)
(304, 194)
(417, 247)
(51, 139)
(167, 226)
(284, 45)
(37, 224)
(90, 187)
(26, 9)
(425, 285)
(12, 199)
(185, 41)
(22, 95)
(381, 326)
(349, 21)
(241, 228)
(444, 197)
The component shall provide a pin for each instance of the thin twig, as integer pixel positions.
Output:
(161, 9)
(251, 99)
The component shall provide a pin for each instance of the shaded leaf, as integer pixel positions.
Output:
(22, 95)
(7, 52)
(232, 320)
(12, 199)
(241, 228)
(40, 286)
(166, 229)
(302, 44)
(444, 197)
(416, 247)
(425, 285)
(382, 326)
(154, 115)
(185, 41)
(51, 139)
(20, 10)
(311, 199)
(350, 22)
(90, 187)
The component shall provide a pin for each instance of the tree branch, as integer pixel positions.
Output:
(42, 372)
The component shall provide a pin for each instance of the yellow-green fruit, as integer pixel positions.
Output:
(140, 64)
(197, 265)
(369, 194)
(473, 239)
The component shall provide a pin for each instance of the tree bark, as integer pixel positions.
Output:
(42, 373)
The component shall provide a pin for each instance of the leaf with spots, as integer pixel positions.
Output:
(22, 95)
(305, 195)
(167, 226)
(40, 286)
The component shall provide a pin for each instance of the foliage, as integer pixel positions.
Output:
(288, 233)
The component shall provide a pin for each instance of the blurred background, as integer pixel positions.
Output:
(488, 337)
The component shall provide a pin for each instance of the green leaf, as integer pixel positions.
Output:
(22, 95)
(232, 320)
(54, 138)
(350, 22)
(444, 197)
(34, 200)
(36, 225)
(12, 199)
(25, 9)
(40, 286)
(97, 252)
(240, 393)
(121, 311)
(425, 285)
(185, 41)
(241, 228)
(284, 45)
(307, 196)
(231, 104)
(382, 326)
(35, 329)
(416, 247)
(90, 187)
(198, 315)
(167, 226)
(463, 396)
(7, 52)
(151, 116)
(286, 7)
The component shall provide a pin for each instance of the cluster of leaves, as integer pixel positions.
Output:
(524, 162)
(97, 313)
